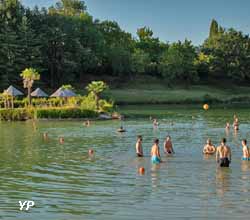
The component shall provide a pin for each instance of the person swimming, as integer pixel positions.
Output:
(61, 140)
(245, 150)
(87, 123)
(223, 154)
(139, 151)
(209, 148)
(168, 146)
(121, 129)
(45, 136)
(155, 153)
(91, 152)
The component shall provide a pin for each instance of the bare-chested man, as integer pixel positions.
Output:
(209, 148)
(168, 146)
(236, 123)
(245, 150)
(223, 154)
(155, 152)
(138, 146)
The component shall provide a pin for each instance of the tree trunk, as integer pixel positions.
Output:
(97, 101)
(29, 96)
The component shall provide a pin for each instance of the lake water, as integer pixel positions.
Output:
(66, 184)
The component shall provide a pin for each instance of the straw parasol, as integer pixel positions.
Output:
(12, 92)
(39, 93)
(64, 93)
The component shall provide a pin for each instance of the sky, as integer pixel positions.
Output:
(170, 20)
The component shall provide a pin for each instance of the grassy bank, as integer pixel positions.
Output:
(158, 94)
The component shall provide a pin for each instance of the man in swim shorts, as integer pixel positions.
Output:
(245, 150)
(236, 123)
(138, 146)
(223, 154)
(168, 146)
(209, 147)
(155, 152)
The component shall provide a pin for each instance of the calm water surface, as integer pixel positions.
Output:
(67, 185)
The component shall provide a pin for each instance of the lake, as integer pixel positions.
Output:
(66, 184)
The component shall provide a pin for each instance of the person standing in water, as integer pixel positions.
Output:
(155, 123)
(209, 148)
(223, 154)
(138, 146)
(168, 146)
(236, 123)
(227, 126)
(155, 152)
(245, 150)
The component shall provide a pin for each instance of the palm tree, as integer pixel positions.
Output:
(97, 87)
(29, 75)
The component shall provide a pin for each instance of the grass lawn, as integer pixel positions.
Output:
(195, 94)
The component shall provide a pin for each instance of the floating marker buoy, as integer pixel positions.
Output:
(141, 170)
(205, 106)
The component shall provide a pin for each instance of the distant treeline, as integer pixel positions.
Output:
(65, 44)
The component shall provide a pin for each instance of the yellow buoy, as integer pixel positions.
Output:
(205, 106)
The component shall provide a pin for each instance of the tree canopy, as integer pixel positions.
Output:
(67, 46)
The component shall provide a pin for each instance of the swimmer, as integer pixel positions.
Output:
(245, 150)
(45, 136)
(209, 148)
(139, 151)
(155, 122)
(87, 123)
(155, 152)
(168, 146)
(121, 129)
(91, 152)
(227, 126)
(223, 154)
(61, 140)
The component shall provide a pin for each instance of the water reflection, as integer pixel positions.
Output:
(223, 180)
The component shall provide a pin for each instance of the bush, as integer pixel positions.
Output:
(57, 113)
(18, 114)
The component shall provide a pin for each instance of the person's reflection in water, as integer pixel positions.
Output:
(245, 168)
(223, 183)
(154, 175)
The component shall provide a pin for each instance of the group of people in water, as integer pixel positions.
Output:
(222, 152)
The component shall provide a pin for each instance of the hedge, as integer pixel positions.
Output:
(20, 114)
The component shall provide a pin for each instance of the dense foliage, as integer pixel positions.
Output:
(66, 45)
(20, 114)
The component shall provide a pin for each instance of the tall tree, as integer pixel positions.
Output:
(29, 75)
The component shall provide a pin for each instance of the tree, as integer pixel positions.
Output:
(69, 8)
(178, 63)
(29, 75)
(214, 29)
(140, 61)
(96, 88)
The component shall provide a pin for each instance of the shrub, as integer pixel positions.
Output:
(18, 114)
(56, 113)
